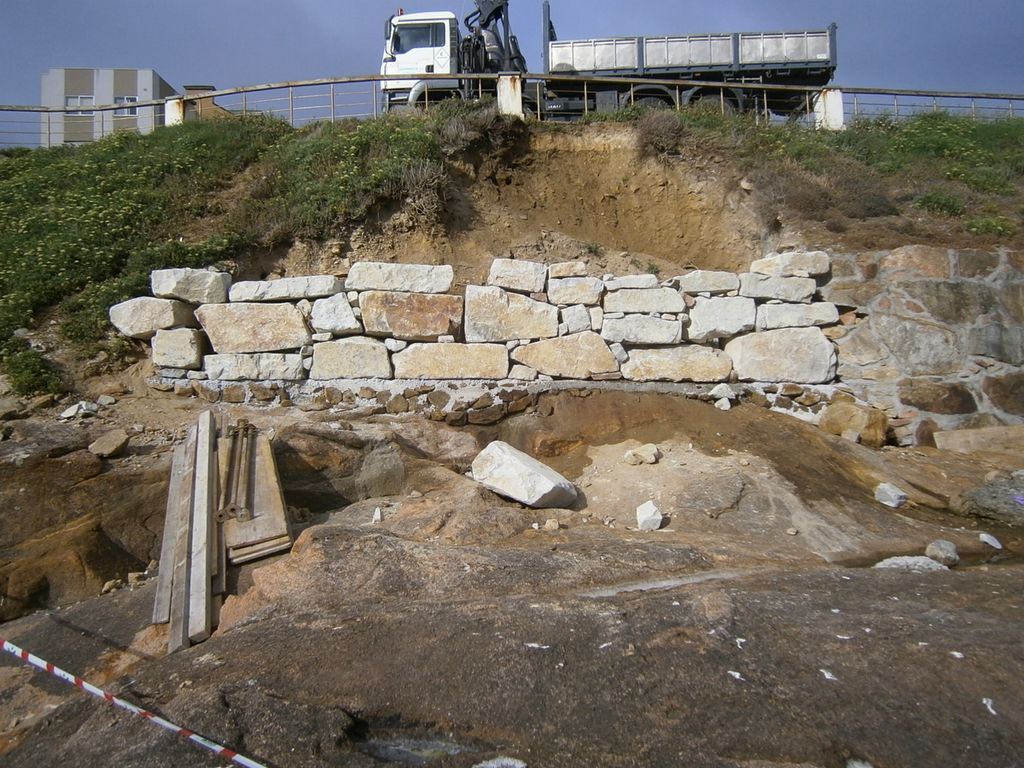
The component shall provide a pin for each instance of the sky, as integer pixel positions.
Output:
(913, 44)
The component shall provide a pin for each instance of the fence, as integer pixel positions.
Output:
(332, 99)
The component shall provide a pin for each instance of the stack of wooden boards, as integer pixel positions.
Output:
(224, 505)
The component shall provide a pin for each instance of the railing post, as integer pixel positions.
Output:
(632, 95)
(896, 107)
(721, 99)
(244, 103)
(50, 144)
(332, 102)
(586, 100)
(540, 111)
(1011, 109)
(373, 96)
(767, 113)
(935, 104)
(291, 106)
(856, 107)
(426, 97)
(679, 99)
(974, 109)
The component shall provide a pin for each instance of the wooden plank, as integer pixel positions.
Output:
(178, 635)
(256, 551)
(200, 605)
(995, 439)
(173, 519)
(270, 520)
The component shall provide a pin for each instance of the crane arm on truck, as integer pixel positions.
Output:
(488, 48)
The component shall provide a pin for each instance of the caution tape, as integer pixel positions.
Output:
(78, 682)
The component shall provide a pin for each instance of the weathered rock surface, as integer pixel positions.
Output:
(141, 318)
(686, 363)
(353, 358)
(493, 314)
(797, 264)
(572, 357)
(1001, 500)
(707, 281)
(917, 261)
(870, 425)
(334, 315)
(452, 361)
(515, 275)
(774, 316)
(516, 475)
(196, 286)
(649, 517)
(248, 328)
(409, 278)
(920, 348)
(286, 288)
(575, 290)
(411, 316)
(794, 289)
(645, 300)
(937, 397)
(179, 348)
(269, 366)
(798, 355)
(1006, 392)
(642, 329)
(721, 318)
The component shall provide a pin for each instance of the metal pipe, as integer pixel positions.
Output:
(291, 107)
(332, 102)
(586, 100)
(244, 103)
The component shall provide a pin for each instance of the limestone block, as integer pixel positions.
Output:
(596, 319)
(796, 289)
(568, 269)
(334, 315)
(353, 358)
(409, 278)
(774, 316)
(632, 281)
(797, 264)
(247, 328)
(706, 281)
(286, 289)
(685, 363)
(576, 319)
(797, 355)
(572, 357)
(179, 348)
(642, 329)
(141, 318)
(514, 275)
(452, 361)
(721, 318)
(523, 373)
(575, 290)
(196, 286)
(640, 300)
(518, 476)
(411, 316)
(493, 314)
(260, 367)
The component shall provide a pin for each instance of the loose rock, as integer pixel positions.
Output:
(110, 445)
(911, 564)
(942, 551)
(890, 495)
(518, 476)
(649, 517)
(645, 454)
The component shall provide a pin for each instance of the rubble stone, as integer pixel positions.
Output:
(721, 318)
(141, 318)
(705, 281)
(286, 288)
(515, 275)
(334, 315)
(452, 361)
(493, 314)
(685, 363)
(575, 290)
(352, 358)
(649, 517)
(411, 316)
(911, 564)
(179, 348)
(249, 328)
(890, 495)
(518, 476)
(573, 357)
(942, 551)
(856, 422)
(774, 316)
(645, 300)
(799, 355)
(645, 454)
(576, 319)
(795, 289)
(195, 286)
(410, 278)
(110, 445)
(266, 366)
(796, 264)
(642, 329)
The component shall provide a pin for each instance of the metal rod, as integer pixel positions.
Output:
(291, 107)
(586, 100)
(974, 109)
(540, 116)
(632, 95)
(332, 102)
(856, 107)
(244, 103)
(49, 143)
(679, 99)
(896, 107)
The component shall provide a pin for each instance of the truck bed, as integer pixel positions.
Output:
(741, 52)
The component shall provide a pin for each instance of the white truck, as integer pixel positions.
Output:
(705, 65)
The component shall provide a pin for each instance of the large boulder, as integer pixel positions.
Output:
(721, 318)
(686, 363)
(645, 300)
(411, 316)
(179, 348)
(797, 355)
(579, 356)
(796, 264)
(249, 328)
(355, 358)
(518, 476)
(515, 275)
(196, 286)
(334, 315)
(795, 289)
(141, 318)
(286, 288)
(452, 361)
(410, 278)
(642, 329)
(706, 281)
(262, 367)
(493, 314)
(845, 418)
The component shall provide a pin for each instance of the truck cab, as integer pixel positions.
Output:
(414, 44)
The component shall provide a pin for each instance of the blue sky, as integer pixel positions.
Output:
(921, 44)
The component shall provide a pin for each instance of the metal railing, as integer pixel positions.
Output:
(330, 99)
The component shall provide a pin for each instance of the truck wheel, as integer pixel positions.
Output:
(712, 102)
(650, 101)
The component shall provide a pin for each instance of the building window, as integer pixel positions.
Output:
(126, 111)
(79, 101)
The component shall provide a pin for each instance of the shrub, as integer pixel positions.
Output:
(941, 203)
(998, 226)
(659, 133)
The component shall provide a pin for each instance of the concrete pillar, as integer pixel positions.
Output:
(828, 110)
(510, 95)
(174, 112)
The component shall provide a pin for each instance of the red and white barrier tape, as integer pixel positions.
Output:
(78, 682)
